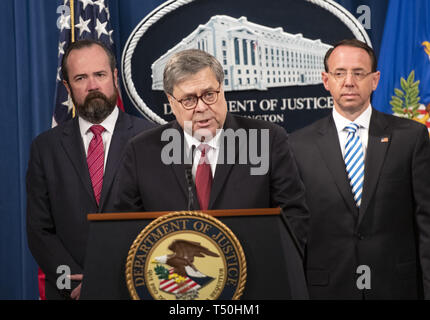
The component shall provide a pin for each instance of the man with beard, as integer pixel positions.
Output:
(72, 167)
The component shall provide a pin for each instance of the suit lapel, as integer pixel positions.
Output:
(328, 144)
(122, 132)
(378, 143)
(179, 169)
(74, 148)
(223, 168)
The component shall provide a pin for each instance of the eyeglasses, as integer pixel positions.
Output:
(190, 102)
(357, 75)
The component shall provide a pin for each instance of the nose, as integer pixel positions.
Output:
(349, 80)
(201, 106)
(92, 84)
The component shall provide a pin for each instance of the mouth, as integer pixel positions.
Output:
(349, 95)
(203, 123)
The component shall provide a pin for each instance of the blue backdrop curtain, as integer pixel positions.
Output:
(28, 57)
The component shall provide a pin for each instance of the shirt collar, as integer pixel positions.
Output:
(214, 143)
(108, 123)
(363, 120)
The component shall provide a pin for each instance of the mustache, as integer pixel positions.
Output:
(95, 95)
(96, 106)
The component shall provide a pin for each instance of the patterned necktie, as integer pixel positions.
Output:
(203, 178)
(95, 160)
(354, 161)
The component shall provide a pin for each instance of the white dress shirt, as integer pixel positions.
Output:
(108, 124)
(212, 154)
(363, 132)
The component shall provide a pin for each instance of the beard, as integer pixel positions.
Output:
(96, 106)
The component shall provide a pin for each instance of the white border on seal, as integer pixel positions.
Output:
(336, 9)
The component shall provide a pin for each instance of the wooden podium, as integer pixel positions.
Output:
(274, 264)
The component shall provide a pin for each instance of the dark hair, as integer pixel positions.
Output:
(189, 62)
(356, 44)
(80, 44)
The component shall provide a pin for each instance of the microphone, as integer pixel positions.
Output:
(189, 179)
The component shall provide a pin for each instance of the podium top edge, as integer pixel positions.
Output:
(157, 214)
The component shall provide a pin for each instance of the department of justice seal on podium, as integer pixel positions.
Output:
(186, 256)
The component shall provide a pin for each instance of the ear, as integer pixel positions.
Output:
(324, 76)
(169, 98)
(115, 77)
(67, 86)
(375, 80)
(172, 103)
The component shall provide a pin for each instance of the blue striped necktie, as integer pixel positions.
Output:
(354, 161)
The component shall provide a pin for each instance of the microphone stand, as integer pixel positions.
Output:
(189, 179)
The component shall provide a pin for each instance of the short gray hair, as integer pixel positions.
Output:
(186, 63)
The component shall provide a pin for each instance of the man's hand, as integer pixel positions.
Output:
(76, 293)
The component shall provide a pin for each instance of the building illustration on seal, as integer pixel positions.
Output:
(254, 57)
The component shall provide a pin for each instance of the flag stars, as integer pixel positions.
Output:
(85, 3)
(101, 4)
(68, 103)
(64, 22)
(110, 36)
(83, 25)
(101, 28)
(58, 74)
(107, 13)
(61, 48)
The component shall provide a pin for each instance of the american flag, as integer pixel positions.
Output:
(79, 19)
(171, 286)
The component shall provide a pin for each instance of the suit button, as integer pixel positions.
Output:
(359, 236)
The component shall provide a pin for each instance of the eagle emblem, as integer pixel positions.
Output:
(183, 279)
(186, 255)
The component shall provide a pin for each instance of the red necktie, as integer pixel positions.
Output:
(95, 160)
(203, 178)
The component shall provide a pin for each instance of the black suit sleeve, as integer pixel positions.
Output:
(43, 241)
(421, 192)
(287, 188)
(128, 197)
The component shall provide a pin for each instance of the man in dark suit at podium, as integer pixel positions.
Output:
(367, 177)
(72, 166)
(254, 169)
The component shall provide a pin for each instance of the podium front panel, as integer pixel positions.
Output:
(274, 266)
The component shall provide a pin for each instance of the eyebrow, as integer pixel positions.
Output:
(355, 69)
(186, 95)
(85, 74)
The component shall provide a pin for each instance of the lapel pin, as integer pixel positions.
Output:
(385, 139)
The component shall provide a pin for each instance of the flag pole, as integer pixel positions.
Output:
(72, 31)
(72, 19)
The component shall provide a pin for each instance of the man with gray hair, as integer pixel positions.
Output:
(224, 149)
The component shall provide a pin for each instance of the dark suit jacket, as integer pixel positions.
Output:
(146, 184)
(390, 232)
(60, 195)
